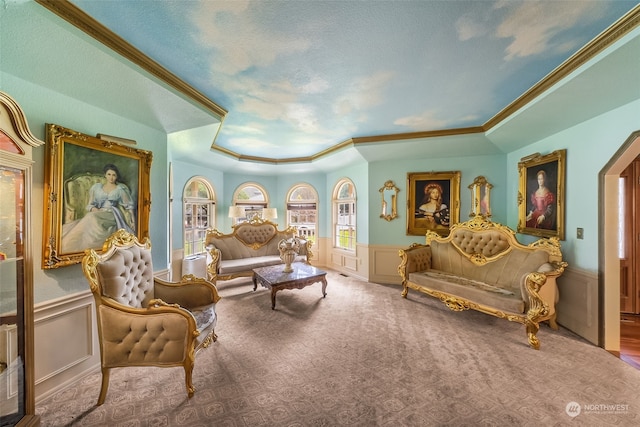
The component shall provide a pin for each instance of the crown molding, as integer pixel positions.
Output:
(605, 39)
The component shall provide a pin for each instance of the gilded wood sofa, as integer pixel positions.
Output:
(481, 266)
(252, 244)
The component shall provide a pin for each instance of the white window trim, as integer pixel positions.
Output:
(315, 201)
(196, 200)
(334, 209)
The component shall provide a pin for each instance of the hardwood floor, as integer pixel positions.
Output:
(630, 339)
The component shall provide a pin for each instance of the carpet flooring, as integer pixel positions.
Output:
(363, 356)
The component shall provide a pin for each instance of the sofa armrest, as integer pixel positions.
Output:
(416, 258)
(305, 249)
(214, 257)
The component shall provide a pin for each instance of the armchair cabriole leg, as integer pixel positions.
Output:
(188, 373)
(105, 385)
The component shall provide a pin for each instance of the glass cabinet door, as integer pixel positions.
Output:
(17, 379)
(12, 315)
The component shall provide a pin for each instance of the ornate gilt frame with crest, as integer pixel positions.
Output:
(75, 163)
(424, 215)
(541, 200)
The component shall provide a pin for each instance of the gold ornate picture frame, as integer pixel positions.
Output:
(92, 187)
(433, 202)
(541, 199)
(480, 197)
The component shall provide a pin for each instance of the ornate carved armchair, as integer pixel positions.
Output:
(142, 320)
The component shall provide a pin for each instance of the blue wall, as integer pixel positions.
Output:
(395, 231)
(590, 145)
(43, 106)
(358, 174)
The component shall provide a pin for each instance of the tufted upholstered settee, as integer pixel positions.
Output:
(481, 266)
(252, 244)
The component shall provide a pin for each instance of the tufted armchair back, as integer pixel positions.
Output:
(126, 276)
(143, 320)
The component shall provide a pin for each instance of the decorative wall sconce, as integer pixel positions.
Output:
(389, 194)
(480, 197)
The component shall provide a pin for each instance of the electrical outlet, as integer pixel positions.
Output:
(580, 233)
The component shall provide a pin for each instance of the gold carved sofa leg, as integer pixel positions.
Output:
(537, 307)
(532, 330)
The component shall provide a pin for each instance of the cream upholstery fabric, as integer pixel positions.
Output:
(252, 244)
(127, 277)
(142, 320)
(480, 265)
(506, 272)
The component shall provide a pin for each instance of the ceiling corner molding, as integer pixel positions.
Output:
(78, 18)
(616, 31)
(416, 135)
(258, 159)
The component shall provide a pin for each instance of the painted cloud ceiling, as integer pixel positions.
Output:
(298, 77)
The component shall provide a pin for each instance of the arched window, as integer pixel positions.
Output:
(199, 213)
(252, 198)
(302, 210)
(344, 215)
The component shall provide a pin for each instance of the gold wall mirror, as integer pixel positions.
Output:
(389, 194)
(480, 197)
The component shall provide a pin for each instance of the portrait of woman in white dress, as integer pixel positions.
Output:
(110, 207)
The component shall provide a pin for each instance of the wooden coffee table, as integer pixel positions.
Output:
(274, 278)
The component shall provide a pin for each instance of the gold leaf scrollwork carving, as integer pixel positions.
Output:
(537, 307)
(455, 304)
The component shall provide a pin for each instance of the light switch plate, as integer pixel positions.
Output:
(580, 233)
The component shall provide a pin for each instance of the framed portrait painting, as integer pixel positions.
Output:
(92, 188)
(541, 194)
(433, 202)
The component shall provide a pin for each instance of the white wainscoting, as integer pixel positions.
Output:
(66, 342)
(578, 305)
(349, 263)
(383, 265)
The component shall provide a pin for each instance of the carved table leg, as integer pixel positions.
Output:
(273, 298)
(324, 287)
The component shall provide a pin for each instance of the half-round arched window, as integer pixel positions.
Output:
(344, 215)
(253, 198)
(199, 214)
(302, 210)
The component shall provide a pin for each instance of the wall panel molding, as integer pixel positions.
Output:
(577, 308)
(69, 320)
